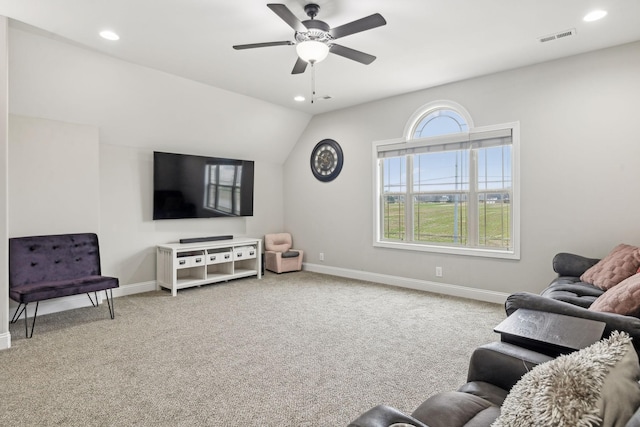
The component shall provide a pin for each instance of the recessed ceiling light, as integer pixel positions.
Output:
(109, 35)
(299, 98)
(594, 15)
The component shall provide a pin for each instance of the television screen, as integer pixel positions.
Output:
(188, 186)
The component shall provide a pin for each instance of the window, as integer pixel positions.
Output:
(223, 188)
(448, 187)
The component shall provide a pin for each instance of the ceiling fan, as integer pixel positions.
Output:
(314, 38)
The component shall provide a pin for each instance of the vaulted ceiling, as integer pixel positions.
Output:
(425, 43)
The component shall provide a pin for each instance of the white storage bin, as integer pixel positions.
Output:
(244, 252)
(218, 257)
(190, 261)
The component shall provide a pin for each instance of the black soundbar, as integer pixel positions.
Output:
(206, 239)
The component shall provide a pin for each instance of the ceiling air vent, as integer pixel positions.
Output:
(557, 36)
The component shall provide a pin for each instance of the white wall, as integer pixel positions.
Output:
(50, 190)
(138, 110)
(579, 155)
(139, 107)
(5, 337)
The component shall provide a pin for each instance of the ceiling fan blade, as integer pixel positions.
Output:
(356, 55)
(366, 23)
(300, 66)
(287, 16)
(268, 44)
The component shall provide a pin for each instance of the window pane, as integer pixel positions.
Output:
(494, 220)
(213, 173)
(440, 122)
(394, 177)
(236, 200)
(238, 175)
(224, 199)
(227, 174)
(440, 218)
(441, 171)
(393, 217)
(494, 168)
(211, 200)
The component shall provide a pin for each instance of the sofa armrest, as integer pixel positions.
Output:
(566, 264)
(502, 364)
(384, 416)
(612, 321)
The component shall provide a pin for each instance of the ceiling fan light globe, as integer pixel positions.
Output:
(312, 51)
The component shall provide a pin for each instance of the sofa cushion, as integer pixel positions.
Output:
(575, 286)
(597, 385)
(624, 298)
(622, 262)
(573, 291)
(485, 390)
(456, 409)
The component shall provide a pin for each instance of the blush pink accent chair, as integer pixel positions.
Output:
(279, 257)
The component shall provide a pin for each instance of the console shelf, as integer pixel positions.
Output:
(193, 264)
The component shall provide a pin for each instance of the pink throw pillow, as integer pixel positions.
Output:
(624, 298)
(622, 262)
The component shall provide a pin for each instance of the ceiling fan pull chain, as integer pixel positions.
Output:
(313, 83)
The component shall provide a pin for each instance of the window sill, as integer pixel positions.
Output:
(452, 250)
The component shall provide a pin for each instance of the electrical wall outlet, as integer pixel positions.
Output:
(438, 271)
(321, 256)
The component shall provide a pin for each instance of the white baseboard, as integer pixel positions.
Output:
(404, 282)
(5, 341)
(135, 288)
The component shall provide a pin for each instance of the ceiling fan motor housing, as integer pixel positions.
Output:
(317, 30)
(315, 35)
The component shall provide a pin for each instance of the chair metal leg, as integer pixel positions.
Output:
(112, 311)
(33, 324)
(91, 299)
(110, 303)
(16, 315)
(19, 312)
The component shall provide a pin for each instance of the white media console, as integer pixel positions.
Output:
(183, 265)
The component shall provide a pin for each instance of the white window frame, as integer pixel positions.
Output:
(512, 253)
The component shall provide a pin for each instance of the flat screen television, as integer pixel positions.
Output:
(188, 186)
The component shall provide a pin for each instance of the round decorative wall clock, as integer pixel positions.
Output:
(326, 160)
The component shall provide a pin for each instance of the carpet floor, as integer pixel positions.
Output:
(298, 349)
